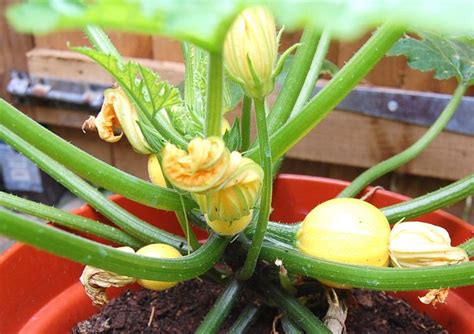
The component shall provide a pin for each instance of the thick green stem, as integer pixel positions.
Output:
(266, 197)
(89, 167)
(215, 84)
(92, 253)
(338, 88)
(119, 216)
(101, 41)
(375, 278)
(248, 316)
(221, 308)
(289, 326)
(438, 199)
(246, 122)
(313, 73)
(295, 310)
(69, 220)
(410, 153)
(295, 79)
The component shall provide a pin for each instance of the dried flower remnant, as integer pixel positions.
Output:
(118, 112)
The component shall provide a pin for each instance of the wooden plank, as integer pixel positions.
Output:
(126, 159)
(13, 47)
(129, 45)
(357, 140)
(165, 49)
(68, 65)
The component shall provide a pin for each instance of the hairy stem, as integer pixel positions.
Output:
(69, 220)
(295, 310)
(215, 84)
(92, 253)
(101, 41)
(248, 316)
(295, 79)
(266, 197)
(221, 308)
(438, 199)
(119, 216)
(313, 73)
(410, 153)
(284, 138)
(89, 167)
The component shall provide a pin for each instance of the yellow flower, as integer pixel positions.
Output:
(250, 51)
(154, 171)
(118, 112)
(417, 244)
(199, 169)
(225, 185)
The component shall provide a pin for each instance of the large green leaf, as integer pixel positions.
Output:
(447, 57)
(204, 22)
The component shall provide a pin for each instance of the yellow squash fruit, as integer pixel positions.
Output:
(346, 230)
(230, 228)
(161, 251)
(154, 171)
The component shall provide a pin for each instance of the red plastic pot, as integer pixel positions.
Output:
(41, 293)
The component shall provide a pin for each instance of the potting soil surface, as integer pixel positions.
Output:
(181, 310)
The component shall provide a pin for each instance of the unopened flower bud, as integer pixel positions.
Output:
(250, 51)
(119, 113)
(417, 244)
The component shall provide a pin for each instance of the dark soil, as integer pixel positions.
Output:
(181, 309)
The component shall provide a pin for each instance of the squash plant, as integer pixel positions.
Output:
(213, 175)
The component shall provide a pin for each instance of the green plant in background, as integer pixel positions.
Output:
(213, 175)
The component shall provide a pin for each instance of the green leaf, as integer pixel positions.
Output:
(232, 138)
(205, 22)
(447, 57)
(182, 120)
(144, 87)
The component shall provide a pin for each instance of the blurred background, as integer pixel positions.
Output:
(387, 112)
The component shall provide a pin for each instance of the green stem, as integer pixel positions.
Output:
(95, 254)
(289, 327)
(248, 316)
(89, 167)
(69, 220)
(468, 246)
(438, 199)
(119, 216)
(266, 197)
(338, 88)
(246, 122)
(215, 84)
(295, 79)
(221, 308)
(188, 232)
(375, 278)
(313, 73)
(408, 154)
(295, 310)
(101, 41)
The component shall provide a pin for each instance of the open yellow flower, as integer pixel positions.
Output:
(118, 113)
(199, 169)
(225, 185)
